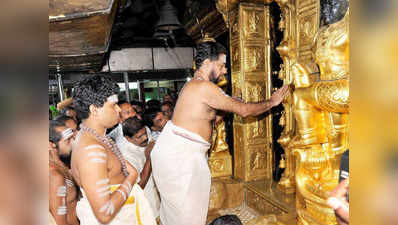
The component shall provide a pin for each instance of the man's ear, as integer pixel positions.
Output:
(93, 110)
(206, 61)
(52, 144)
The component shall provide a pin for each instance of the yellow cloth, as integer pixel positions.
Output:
(135, 211)
(130, 199)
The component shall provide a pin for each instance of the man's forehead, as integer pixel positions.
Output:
(113, 98)
(60, 129)
(141, 132)
(126, 106)
(223, 58)
(65, 132)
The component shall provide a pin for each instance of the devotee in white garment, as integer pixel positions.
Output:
(107, 181)
(135, 148)
(179, 162)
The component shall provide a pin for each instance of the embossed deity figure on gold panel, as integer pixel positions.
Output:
(220, 160)
(321, 113)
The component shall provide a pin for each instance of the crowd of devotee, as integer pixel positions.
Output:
(139, 124)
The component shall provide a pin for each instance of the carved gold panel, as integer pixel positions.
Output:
(239, 157)
(235, 56)
(253, 22)
(254, 58)
(257, 162)
(234, 27)
(220, 164)
(307, 26)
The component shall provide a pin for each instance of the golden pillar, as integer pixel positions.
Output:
(251, 80)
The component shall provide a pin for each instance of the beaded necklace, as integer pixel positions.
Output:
(111, 145)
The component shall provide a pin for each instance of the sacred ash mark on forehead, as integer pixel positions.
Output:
(113, 98)
(223, 58)
(66, 134)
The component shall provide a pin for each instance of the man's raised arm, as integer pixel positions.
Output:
(217, 99)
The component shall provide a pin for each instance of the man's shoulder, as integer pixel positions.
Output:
(201, 86)
(87, 142)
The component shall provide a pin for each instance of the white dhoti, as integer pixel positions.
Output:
(182, 175)
(135, 211)
(136, 156)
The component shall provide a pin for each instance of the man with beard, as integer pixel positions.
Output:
(62, 192)
(179, 161)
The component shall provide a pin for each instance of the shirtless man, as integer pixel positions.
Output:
(105, 178)
(62, 192)
(179, 160)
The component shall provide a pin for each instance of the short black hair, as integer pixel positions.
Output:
(92, 90)
(123, 102)
(140, 104)
(55, 136)
(168, 104)
(63, 118)
(208, 50)
(150, 115)
(226, 220)
(131, 126)
(153, 103)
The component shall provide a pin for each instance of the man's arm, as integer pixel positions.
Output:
(147, 170)
(92, 166)
(217, 99)
(57, 198)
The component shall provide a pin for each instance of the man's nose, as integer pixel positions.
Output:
(224, 70)
(118, 109)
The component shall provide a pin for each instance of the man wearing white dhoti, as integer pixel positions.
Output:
(106, 179)
(179, 162)
(136, 150)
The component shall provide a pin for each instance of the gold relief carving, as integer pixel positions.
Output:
(255, 130)
(255, 91)
(254, 58)
(216, 165)
(239, 169)
(234, 22)
(235, 57)
(220, 164)
(218, 195)
(307, 27)
(253, 23)
(308, 30)
(257, 159)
